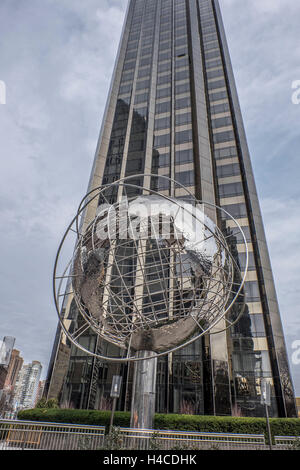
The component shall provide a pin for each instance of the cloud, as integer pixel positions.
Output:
(57, 62)
(282, 222)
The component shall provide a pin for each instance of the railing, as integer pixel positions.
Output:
(49, 436)
(285, 441)
(23, 435)
(175, 440)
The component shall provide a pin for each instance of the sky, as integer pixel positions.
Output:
(56, 59)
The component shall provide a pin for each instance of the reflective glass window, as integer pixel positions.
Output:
(183, 136)
(186, 178)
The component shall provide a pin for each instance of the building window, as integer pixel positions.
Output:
(223, 137)
(252, 291)
(237, 211)
(182, 119)
(234, 234)
(251, 261)
(184, 156)
(220, 108)
(186, 178)
(125, 89)
(163, 92)
(230, 190)
(182, 75)
(160, 160)
(225, 153)
(184, 88)
(143, 84)
(183, 137)
(164, 67)
(221, 122)
(216, 84)
(228, 170)
(182, 103)
(162, 140)
(141, 98)
(163, 79)
(221, 95)
(163, 107)
(162, 123)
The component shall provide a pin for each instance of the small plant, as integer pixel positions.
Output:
(113, 440)
(154, 443)
(185, 446)
(85, 443)
(43, 403)
(296, 444)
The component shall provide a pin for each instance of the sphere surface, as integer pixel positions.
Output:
(150, 272)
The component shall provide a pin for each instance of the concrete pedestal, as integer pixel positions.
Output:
(143, 393)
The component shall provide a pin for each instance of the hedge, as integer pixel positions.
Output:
(227, 424)
(70, 416)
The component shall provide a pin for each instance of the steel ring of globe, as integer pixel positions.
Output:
(57, 290)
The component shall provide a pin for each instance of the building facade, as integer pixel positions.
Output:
(15, 365)
(173, 111)
(10, 374)
(6, 348)
(27, 385)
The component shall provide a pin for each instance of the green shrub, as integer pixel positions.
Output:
(69, 416)
(224, 424)
(43, 403)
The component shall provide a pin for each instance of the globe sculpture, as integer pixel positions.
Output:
(150, 274)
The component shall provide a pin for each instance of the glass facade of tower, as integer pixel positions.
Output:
(173, 111)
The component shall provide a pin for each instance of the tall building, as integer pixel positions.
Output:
(10, 376)
(6, 349)
(27, 385)
(173, 110)
(15, 365)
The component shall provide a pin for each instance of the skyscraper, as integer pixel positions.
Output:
(16, 362)
(27, 385)
(173, 110)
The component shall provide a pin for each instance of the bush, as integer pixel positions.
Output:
(69, 416)
(226, 424)
(43, 403)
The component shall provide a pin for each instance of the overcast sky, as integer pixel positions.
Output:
(56, 58)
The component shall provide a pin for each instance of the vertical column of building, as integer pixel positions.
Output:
(251, 342)
(218, 395)
(230, 195)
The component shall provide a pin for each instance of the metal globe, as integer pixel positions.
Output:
(151, 272)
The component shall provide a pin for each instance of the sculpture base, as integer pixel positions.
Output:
(143, 393)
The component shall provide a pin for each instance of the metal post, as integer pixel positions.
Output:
(112, 414)
(269, 427)
(114, 393)
(266, 400)
(143, 396)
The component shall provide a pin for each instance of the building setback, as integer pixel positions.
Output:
(173, 110)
